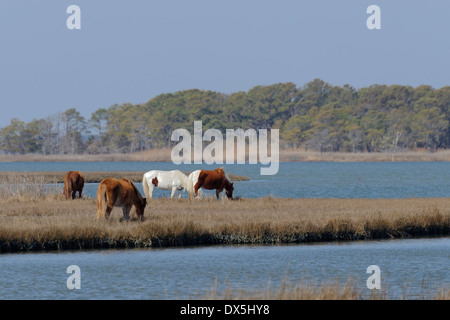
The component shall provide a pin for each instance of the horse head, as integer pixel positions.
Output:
(140, 203)
(229, 189)
(139, 208)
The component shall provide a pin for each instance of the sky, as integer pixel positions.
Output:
(131, 51)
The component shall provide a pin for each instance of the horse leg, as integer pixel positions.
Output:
(126, 213)
(107, 212)
(174, 189)
(217, 193)
(109, 204)
(150, 191)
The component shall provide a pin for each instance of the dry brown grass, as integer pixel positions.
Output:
(50, 222)
(154, 155)
(305, 290)
(285, 155)
(299, 155)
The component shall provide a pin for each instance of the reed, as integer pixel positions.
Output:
(306, 290)
(24, 186)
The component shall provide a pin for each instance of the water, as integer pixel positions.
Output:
(294, 179)
(409, 268)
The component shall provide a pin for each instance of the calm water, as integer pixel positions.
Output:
(408, 267)
(294, 179)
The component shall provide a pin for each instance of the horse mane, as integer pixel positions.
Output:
(136, 190)
(224, 173)
(228, 183)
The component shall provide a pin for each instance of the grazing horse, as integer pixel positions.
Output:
(121, 193)
(210, 180)
(73, 183)
(167, 180)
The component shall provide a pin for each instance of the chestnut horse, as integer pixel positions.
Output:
(121, 193)
(210, 180)
(73, 183)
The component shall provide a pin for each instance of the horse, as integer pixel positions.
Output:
(174, 180)
(121, 193)
(210, 180)
(73, 183)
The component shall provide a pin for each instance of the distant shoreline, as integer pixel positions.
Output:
(286, 155)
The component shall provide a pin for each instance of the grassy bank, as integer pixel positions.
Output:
(285, 155)
(48, 222)
(47, 177)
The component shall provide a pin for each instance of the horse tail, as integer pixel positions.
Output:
(146, 187)
(67, 186)
(193, 179)
(101, 200)
(190, 189)
(187, 184)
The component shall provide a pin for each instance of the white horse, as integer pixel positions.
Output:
(167, 180)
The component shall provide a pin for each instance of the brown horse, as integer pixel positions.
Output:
(121, 193)
(210, 180)
(73, 183)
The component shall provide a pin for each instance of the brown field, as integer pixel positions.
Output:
(285, 155)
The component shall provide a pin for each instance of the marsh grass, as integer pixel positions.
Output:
(43, 220)
(22, 186)
(330, 290)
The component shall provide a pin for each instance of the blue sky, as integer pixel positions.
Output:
(131, 51)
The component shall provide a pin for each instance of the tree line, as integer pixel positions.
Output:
(317, 116)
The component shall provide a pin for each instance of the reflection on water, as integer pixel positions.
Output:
(184, 273)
